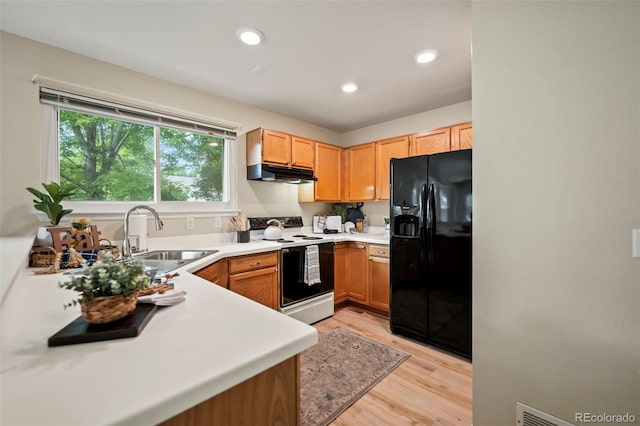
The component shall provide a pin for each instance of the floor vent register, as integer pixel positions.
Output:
(529, 416)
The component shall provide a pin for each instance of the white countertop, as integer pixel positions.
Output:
(13, 254)
(185, 355)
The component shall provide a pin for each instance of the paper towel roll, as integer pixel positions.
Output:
(138, 231)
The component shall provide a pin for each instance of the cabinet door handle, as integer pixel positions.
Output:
(360, 247)
(381, 252)
(254, 264)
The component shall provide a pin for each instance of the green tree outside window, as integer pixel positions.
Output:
(113, 160)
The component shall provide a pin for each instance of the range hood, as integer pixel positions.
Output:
(269, 173)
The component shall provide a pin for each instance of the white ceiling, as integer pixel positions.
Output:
(310, 48)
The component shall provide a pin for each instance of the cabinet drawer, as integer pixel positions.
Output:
(251, 262)
(378, 251)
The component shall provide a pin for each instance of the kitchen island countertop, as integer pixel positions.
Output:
(187, 353)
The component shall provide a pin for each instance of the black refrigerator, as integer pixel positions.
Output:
(430, 256)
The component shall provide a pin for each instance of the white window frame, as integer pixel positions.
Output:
(107, 210)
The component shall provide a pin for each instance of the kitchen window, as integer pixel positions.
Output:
(120, 156)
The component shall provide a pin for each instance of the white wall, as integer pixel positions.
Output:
(556, 113)
(20, 133)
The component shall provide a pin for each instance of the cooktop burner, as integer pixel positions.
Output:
(305, 237)
(282, 240)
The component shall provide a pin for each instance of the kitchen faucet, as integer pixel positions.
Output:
(126, 245)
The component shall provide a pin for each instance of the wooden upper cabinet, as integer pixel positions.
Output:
(385, 151)
(461, 137)
(276, 148)
(328, 168)
(302, 152)
(431, 142)
(266, 146)
(346, 179)
(362, 172)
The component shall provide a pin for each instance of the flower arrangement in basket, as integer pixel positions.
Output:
(108, 289)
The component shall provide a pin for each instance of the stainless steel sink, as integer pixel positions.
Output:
(162, 261)
(185, 255)
(168, 260)
(163, 265)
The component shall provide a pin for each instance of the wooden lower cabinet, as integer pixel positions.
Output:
(260, 285)
(340, 272)
(361, 274)
(269, 398)
(378, 277)
(254, 276)
(356, 272)
(216, 273)
(350, 272)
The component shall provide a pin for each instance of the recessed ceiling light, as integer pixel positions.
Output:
(426, 56)
(250, 36)
(349, 87)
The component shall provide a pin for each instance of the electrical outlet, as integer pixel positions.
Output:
(218, 222)
(190, 222)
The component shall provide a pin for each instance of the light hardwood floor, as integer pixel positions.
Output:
(429, 388)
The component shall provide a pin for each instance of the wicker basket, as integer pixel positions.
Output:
(102, 310)
(107, 245)
(42, 256)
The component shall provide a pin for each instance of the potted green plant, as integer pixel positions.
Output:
(340, 210)
(108, 289)
(50, 204)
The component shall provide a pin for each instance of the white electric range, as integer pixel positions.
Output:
(298, 296)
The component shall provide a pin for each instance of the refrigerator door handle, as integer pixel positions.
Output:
(424, 226)
(431, 226)
(425, 208)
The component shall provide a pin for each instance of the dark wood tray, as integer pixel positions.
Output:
(80, 331)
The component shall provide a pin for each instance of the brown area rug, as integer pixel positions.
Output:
(337, 371)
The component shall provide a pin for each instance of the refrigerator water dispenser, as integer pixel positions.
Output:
(406, 225)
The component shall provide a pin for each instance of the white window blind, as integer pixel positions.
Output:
(90, 105)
